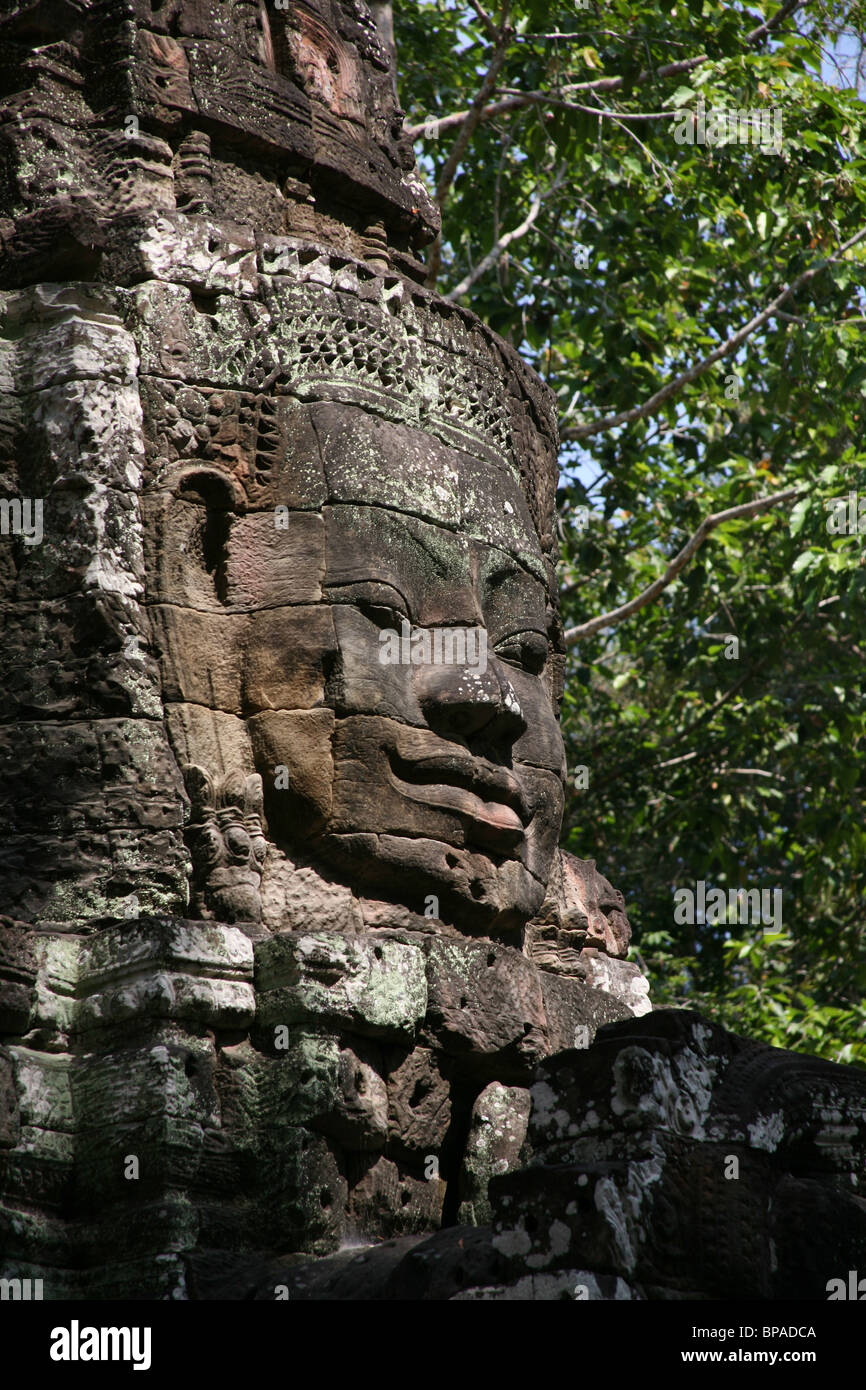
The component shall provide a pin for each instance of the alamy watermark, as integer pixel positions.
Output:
(744, 906)
(847, 515)
(854, 1289)
(77, 1343)
(20, 1290)
(22, 516)
(438, 646)
(758, 126)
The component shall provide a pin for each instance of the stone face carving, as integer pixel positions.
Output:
(581, 910)
(316, 538)
(581, 930)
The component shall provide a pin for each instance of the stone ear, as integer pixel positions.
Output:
(220, 504)
(187, 524)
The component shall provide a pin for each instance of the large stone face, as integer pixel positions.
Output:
(246, 421)
(325, 562)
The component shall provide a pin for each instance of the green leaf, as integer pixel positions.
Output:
(798, 516)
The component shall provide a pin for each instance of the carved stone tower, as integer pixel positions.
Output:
(285, 924)
(286, 934)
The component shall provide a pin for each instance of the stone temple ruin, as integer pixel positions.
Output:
(298, 996)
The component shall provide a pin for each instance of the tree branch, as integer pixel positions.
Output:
(524, 99)
(638, 412)
(679, 562)
(505, 240)
(745, 772)
(683, 758)
(472, 119)
(467, 130)
(496, 249)
(763, 29)
(655, 163)
(603, 111)
(601, 84)
(489, 25)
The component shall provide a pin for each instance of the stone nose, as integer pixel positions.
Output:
(466, 700)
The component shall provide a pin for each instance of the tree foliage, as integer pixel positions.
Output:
(619, 261)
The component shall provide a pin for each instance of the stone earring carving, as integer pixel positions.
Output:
(226, 840)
